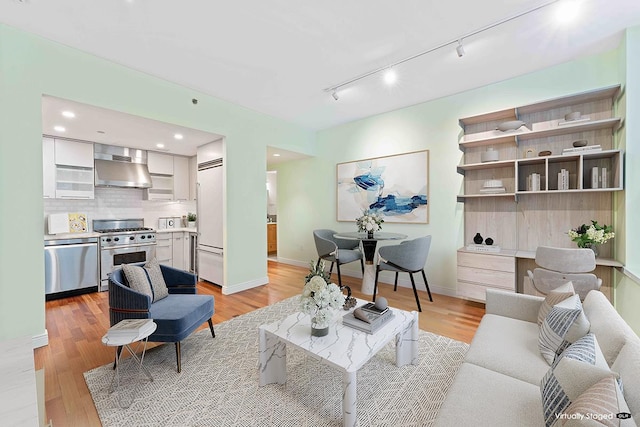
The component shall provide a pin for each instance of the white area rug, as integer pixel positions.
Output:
(218, 385)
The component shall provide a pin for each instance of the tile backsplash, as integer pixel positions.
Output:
(120, 203)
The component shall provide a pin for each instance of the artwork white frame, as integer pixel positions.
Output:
(395, 186)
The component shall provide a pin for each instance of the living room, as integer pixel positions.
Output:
(32, 66)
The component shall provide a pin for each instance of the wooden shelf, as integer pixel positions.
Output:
(610, 92)
(486, 165)
(463, 197)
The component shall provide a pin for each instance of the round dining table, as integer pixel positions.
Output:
(369, 250)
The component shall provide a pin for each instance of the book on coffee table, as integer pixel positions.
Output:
(377, 321)
(371, 306)
(130, 327)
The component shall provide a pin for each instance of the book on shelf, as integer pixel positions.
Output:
(581, 150)
(483, 248)
(377, 321)
(130, 327)
(493, 190)
(533, 182)
(594, 177)
(604, 181)
(563, 179)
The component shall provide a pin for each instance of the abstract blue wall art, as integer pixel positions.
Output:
(396, 187)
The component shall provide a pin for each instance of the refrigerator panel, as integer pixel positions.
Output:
(210, 205)
(211, 266)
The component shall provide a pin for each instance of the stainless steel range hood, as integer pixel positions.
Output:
(121, 167)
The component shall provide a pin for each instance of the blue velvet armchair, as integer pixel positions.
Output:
(177, 315)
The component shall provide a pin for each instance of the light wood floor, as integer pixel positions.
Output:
(77, 324)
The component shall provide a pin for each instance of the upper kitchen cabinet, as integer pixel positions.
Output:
(158, 163)
(193, 177)
(67, 169)
(181, 178)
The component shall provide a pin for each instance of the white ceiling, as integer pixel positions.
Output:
(278, 56)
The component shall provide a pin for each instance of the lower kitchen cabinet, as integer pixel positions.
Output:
(272, 238)
(164, 248)
(479, 271)
(173, 249)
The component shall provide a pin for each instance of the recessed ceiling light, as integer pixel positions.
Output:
(160, 145)
(276, 155)
(390, 77)
(59, 128)
(69, 114)
(567, 11)
(178, 136)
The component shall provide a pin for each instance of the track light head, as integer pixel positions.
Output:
(334, 93)
(460, 49)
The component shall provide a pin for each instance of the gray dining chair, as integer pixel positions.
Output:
(335, 250)
(410, 257)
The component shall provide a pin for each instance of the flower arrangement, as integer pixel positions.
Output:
(594, 234)
(320, 296)
(369, 221)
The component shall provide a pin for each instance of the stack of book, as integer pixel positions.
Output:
(563, 179)
(599, 177)
(492, 186)
(533, 182)
(483, 248)
(377, 318)
(581, 150)
(131, 328)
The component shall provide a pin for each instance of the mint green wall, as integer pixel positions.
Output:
(31, 66)
(627, 291)
(433, 126)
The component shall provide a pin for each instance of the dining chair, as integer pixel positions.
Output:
(557, 266)
(410, 257)
(335, 250)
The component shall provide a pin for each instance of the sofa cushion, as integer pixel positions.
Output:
(481, 397)
(598, 406)
(610, 329)
(627, 365)
(556, 295)
(565, 383)
(158, 285)
(137, 279)
(565, 324)
(179, 315)
(508, 346)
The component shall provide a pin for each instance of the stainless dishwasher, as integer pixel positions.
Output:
(71, 266)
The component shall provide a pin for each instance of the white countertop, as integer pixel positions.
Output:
(171, 230)
(64, 236)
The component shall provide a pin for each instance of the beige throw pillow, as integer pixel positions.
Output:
(137, 278)
(158, 284)
(560, 293)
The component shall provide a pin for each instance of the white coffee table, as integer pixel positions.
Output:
(345, 348)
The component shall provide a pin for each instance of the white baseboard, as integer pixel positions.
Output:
(227, 290)
(293, 262)
(40, 340)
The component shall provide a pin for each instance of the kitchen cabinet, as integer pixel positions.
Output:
(499, 167)
(164, 248)
(158, 163)
(272, 238)
(48, 168)
(180, 178)
(193, 177)
(172, 248)
(74, 153)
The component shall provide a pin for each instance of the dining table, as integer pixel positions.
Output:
(369, 249)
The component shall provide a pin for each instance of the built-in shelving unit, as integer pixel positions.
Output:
(543, 195)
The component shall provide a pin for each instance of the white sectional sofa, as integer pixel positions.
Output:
(499, 382)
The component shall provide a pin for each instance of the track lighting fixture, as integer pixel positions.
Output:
(460, 49)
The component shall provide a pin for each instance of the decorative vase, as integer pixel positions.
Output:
(593, 247)
(191, 224)
(477, 239)
(369, 234)
(318, 330)
(488, 241)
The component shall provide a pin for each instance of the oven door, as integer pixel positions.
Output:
(112, 258)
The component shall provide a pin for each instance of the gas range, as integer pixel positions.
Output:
(123, 232)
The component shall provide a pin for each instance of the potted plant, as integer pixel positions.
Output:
(191, 220)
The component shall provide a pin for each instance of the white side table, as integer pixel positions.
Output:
(126, 341)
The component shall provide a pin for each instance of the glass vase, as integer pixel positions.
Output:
(318, 329)
(593, 247)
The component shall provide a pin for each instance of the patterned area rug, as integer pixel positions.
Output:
(218, 385)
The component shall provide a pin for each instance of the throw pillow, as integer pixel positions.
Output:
(137, 278)
(564, 383)
(158, 285)
(560, 293)
(599, 405)
(564, 325)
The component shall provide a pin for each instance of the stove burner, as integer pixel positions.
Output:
(124, 230)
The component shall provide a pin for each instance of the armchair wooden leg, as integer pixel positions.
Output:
(339, 276)
(178, 357)
(331, 269)
(213, 334)
(362, 266)
(424, 276)
(395, 283)
(375, 283)
(415, 291)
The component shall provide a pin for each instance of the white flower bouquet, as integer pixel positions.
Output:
(586, 236)
(369, 222)
(320, 297)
